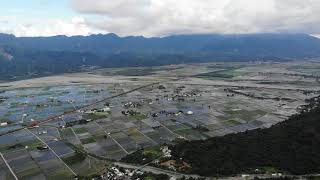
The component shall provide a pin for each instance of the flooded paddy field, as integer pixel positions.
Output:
(113, 113)
(36, 104)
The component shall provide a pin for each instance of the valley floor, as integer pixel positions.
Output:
(78, 124)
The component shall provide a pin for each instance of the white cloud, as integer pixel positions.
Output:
(167, 17)
(164, 17)
(52, 27)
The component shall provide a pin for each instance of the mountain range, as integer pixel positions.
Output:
(22, 57)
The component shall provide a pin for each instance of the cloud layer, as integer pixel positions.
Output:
(41, 27)
(167, 17)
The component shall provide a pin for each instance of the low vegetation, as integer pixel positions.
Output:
(139, 116)
(74, 159)
(96, 116)
(226, 73)
(143, 156)
(88, 140)
(151, 176)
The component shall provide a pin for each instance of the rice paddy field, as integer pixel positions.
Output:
(158, 106)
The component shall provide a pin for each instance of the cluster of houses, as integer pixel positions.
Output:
(166, 152)
(80, 120)
(42, 148)
(6, 123)
(54, 99)
(132, 105)
(182, 96)
(3, 124)
(179, 89)
(167, 163)
(115, 173)
(2, 99)
(130, 112)
(171, 113)
(96, 110)
(94, 91)
(312, 103)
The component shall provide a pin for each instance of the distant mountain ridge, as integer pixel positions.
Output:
(58, 54)
(111, 43)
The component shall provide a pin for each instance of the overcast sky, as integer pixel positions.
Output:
(158, 17)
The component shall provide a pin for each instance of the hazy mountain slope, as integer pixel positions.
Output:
(49, 55)
(26, 63)
(267, 45)
(283, 45)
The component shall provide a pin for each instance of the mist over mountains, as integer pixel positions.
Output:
(36, 56)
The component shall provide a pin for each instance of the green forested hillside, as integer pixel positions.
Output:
(27, 57)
